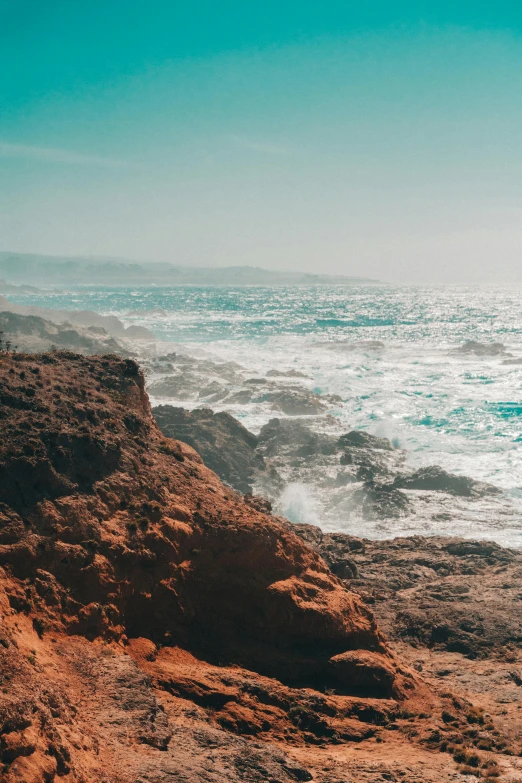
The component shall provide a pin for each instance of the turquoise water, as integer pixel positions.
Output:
(446, 315)
(463, 412)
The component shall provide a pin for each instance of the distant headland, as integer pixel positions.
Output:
(23, 268)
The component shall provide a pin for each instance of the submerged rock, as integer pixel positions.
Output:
(285, 374)
(481, 349)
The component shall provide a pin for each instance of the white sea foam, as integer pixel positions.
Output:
(461, 411)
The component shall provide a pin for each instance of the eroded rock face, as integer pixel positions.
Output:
(91, 485)
(226, 447)
(447, 594)
(111, 531)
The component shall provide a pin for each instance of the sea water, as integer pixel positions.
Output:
(388, 352)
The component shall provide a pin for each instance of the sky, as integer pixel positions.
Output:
(381, 139)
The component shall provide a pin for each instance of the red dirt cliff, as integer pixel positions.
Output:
(151, 619)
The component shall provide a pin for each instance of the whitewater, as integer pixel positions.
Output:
(389, 353)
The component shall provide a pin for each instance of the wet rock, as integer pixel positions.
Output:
(512, 361)
(135, 332)
(436, 479)
(364, 440)
(296, 402)
(285, 374)
(481, 349)
(182, 386)
(281, 437)
(380, 501)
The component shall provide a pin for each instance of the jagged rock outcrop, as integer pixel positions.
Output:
(152, 619)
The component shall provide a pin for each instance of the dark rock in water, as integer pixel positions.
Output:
(293, 439)
(364, 440)
(438, 480)
(190, 378)
(285, 374)
(296, 402)
(242, 397)
(214, 392)
(181, 386)
(512, 361)
(225, 445)
(369, 456)
(380, 501)
(481, 349)
(135, 332)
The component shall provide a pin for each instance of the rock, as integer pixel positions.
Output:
(436, 479)
(84, 318)
(213, 392)
(179, 386)
(380, 501)
(260, 504)
(187, 378)
(32, 333)
(481, 349)
(135, 332)
(225, 445)
(364, 671)
(442, 594)
(155, 626)
(281, 437)
(369, 456)
(285, 374)
(364, 440)
(295, 402)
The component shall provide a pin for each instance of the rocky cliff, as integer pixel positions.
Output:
(156, 627)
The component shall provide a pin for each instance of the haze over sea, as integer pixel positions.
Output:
(460, 411)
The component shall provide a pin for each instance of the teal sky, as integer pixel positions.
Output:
(380, 139)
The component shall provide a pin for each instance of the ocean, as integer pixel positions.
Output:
(391, 356)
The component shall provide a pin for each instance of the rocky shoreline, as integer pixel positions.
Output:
(159, 625)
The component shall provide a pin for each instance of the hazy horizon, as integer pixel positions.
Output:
(319, 138)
